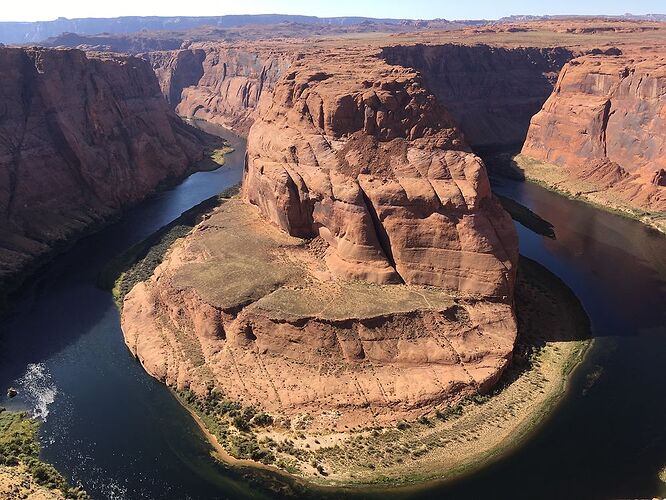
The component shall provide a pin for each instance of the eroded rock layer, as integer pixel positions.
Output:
(605, 127)
(361, 154)
(80, 138)
(218, 83)
(244, 308)
(491, 92)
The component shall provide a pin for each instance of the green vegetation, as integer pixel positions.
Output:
(213, 159)
(233, 425)
(552, 178)
(139, 261)
(19, 445)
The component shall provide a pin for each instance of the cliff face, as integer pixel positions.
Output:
(216, 83)
(605, 126)
(367, 159)
(80, 137)
(491, 92)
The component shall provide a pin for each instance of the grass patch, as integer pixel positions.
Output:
(139, 261)
(19, 445)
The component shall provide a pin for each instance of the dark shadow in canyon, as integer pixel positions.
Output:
(491, 92)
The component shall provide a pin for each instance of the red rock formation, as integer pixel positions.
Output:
(80, 138)
(491, 92)
(240, 306)
(605, 124)
(218, 83)
(358, 157)
(361, 154)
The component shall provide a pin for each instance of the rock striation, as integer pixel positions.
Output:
(491, 92)
(241, 308)
(604, 128)
(216, 83)
(367, 159)
(81, 137)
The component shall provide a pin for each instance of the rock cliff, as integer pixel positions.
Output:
(218, 83)
(491, 92)
(604, 129)
(363, 155)
(81, 136)
(367, 273)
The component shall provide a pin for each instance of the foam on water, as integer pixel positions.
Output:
(38, 390)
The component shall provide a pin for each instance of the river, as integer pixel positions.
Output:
(121, 434)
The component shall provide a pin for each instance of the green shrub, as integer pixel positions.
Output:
(262, 419)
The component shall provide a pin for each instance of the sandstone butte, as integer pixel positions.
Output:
(386, 268)
(81, 137)
(359, 154)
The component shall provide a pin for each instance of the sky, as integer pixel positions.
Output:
(42, 10)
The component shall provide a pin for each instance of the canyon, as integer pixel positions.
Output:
(601, 133)
(365, 276)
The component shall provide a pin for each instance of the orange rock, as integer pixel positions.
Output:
(81, 137)
(606, 124)
(366, 158)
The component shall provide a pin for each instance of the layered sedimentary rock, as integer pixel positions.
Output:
(242, 308)
(604, 127)
(365, 157)
(366, 274)
(80, 138)
(218, 83)
(491, 92)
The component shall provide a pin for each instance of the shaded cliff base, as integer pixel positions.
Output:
(559, 179)
(22, 473)
(138, 262)
(442, 444)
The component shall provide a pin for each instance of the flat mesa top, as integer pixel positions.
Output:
(235, 258)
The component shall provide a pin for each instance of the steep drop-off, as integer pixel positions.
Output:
(362, 155)
(491, 92)
(603, 131)
(81, 136)
(218, 83)
(366, 275)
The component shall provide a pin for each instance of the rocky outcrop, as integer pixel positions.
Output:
(491, 92)
(367, 158)
(217, 83)
(244, 309)
(367, 275)
(80, 138)
(605, 127)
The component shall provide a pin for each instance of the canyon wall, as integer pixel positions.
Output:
(217, 83)
(81, 136)
(604, 128)
(491, 92)
(361, 154)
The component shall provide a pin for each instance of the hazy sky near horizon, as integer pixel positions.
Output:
(42, 10)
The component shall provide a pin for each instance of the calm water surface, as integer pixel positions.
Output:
(121, 434)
